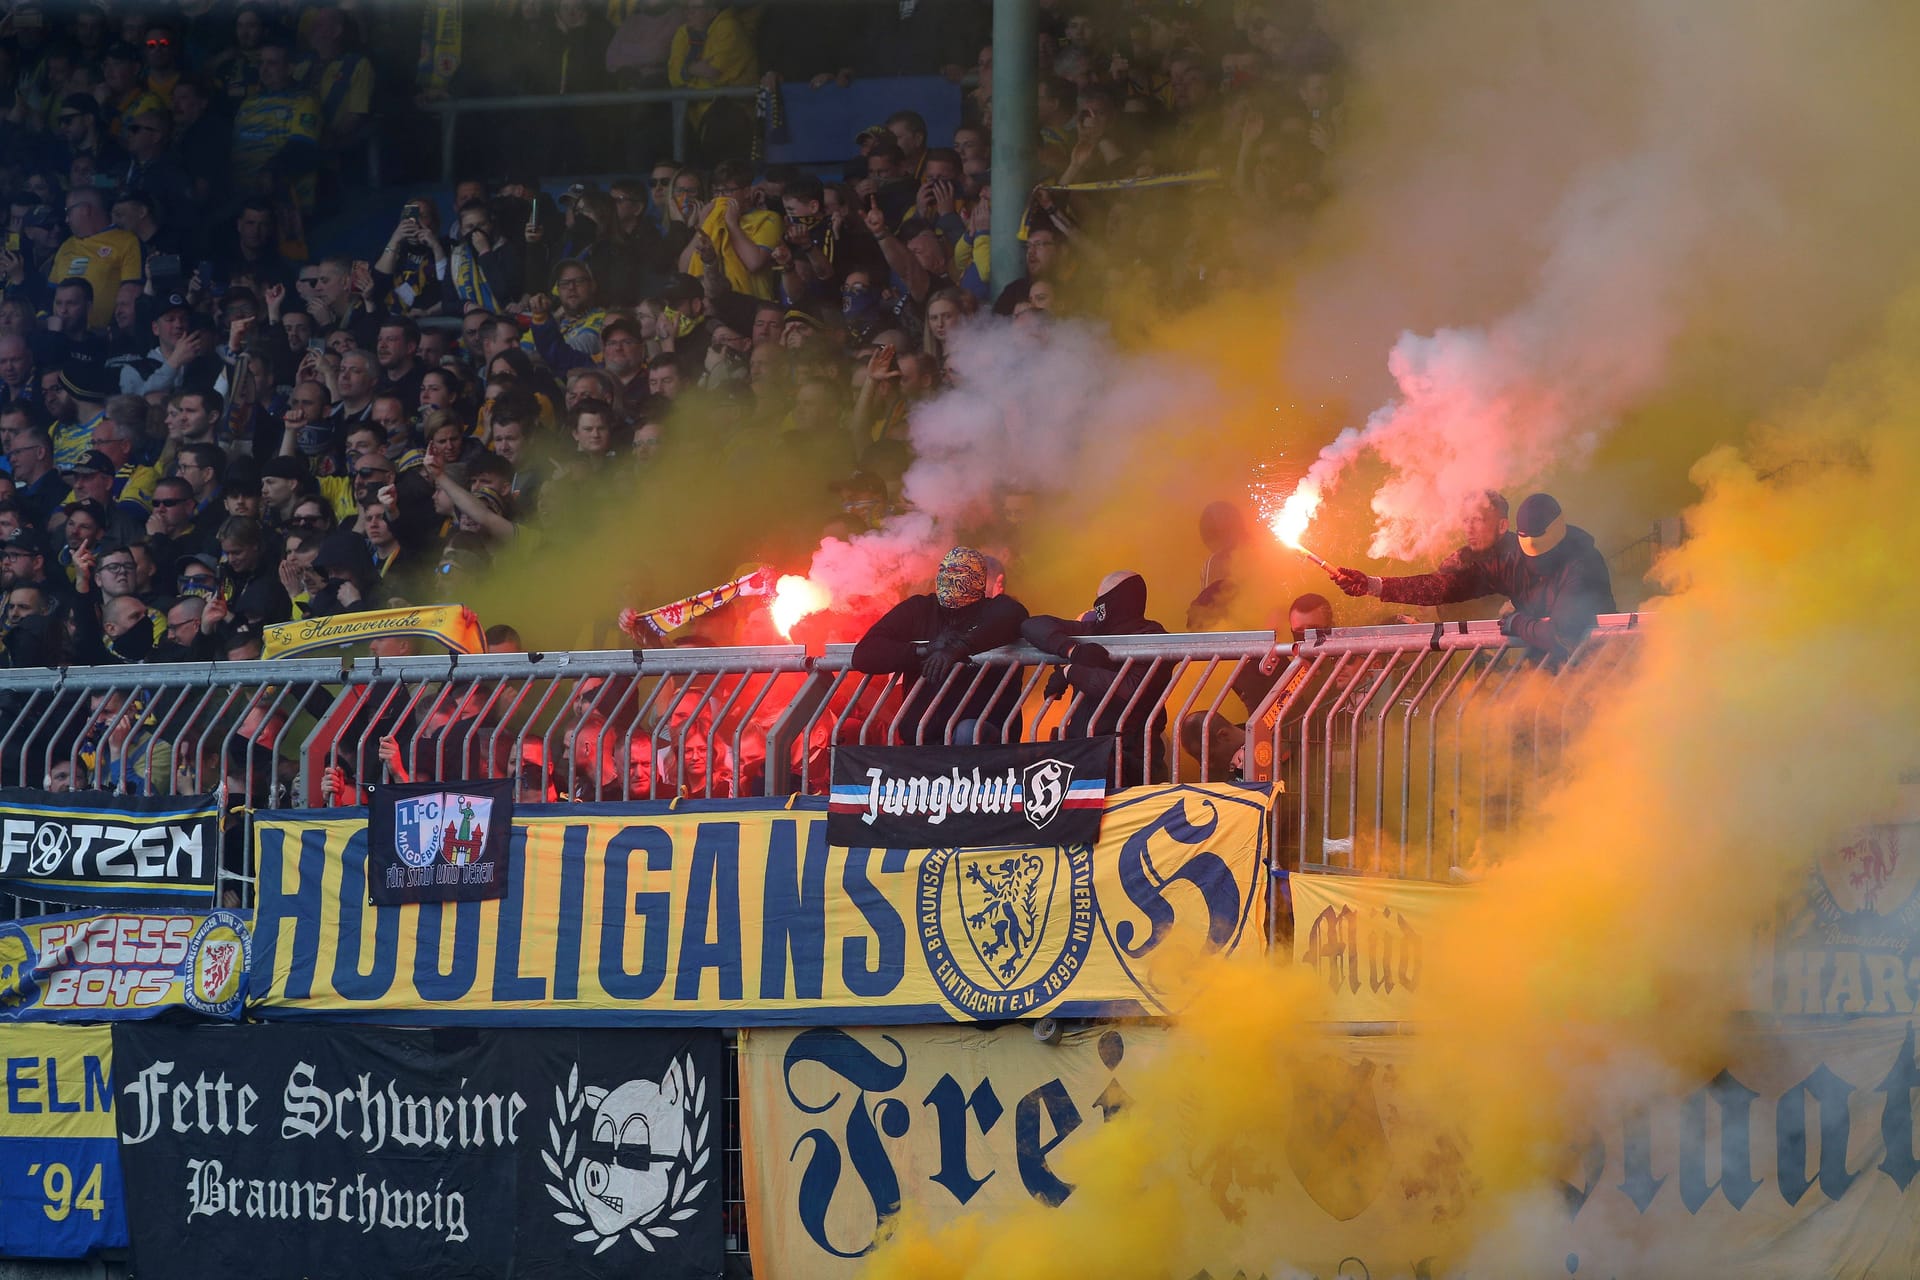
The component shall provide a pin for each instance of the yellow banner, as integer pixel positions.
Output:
(976, 1122)
(1799, 1159)
(1366, 937)
(737, 913)
(451, 626)
(59, 1082)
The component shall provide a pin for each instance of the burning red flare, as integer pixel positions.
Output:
(795, 598)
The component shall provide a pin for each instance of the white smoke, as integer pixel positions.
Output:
(1034, 410)
(1679, 185)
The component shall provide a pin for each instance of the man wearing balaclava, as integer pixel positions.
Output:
(932, 636)
(1097, 678)
(1564, 583)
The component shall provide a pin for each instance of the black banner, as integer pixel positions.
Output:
(94, 848)
(1046, 793)
(285, 1149)
(438, 841)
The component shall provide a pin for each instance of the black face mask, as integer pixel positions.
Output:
(1125, 604)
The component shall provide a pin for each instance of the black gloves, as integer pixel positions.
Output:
(1056, 685)
(1356, 583)
(943, 655)
(1091, 654)
(1511, 623)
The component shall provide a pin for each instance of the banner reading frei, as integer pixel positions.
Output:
(973, 1120)
(737, 913)
(93, 848)
(375, 1151)
(59, 1168)
(1797, 1159)
(92, 967)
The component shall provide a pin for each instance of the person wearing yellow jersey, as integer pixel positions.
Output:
(340, 79)
(276, 132)
(740, 235)
(713, 50)
(96, 252)
(163, 61)
(127, 96)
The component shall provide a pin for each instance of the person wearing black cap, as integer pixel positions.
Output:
(80, 126)
(92, 480)
(25, 562)
(157, 174)
(1490, 564)
(179, 346)
(1110, 700)
(1565, 583)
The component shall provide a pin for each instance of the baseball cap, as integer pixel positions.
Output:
(24, 540)
(279, 468)
(86, 380)
(173, 302)
(205, 559)
(84, 103)
(873, 131)
(94, 460)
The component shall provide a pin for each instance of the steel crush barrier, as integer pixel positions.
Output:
(1397, 750)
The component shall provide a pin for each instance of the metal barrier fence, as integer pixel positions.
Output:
(1397, 750)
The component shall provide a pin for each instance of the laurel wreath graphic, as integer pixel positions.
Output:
(679, 1206)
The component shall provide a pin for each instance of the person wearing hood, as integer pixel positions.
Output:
(1110, 696)
(1489, 564)
(1564, 583)
(932, 636)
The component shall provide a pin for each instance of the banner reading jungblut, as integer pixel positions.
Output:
(364, 1151)
(60, 1191)
(738, 913)
(930, 797)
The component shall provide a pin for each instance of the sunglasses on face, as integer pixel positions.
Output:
(307, 522)
(369, 473)
(171, 502)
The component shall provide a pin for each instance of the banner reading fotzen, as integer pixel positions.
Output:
(92, 967)
(972, 797)
(93, 848)
(737, 913)
(60, 1193)
(287, 1150)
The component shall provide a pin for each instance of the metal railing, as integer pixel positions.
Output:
(1396, 750)
(451, 109)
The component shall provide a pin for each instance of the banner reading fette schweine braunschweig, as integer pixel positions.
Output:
(737, 913)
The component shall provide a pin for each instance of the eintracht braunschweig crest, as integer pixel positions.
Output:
(629, 1161)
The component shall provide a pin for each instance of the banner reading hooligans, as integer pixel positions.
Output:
(438, 841)
(125, 964)
(289, 1150)
(60, 1191)
(975, 1119)
(728, 913)
(97, 849)
(930, 797)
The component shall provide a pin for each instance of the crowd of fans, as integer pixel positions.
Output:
(209, 427)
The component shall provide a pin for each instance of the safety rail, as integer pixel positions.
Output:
(1395, 750)
(451, 109)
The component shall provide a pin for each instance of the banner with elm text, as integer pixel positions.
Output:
(1797, 1159)
(97, 966)
(60, 1194)
(739, 913)
(1366, 938)
(363, 1151)
(94, 848)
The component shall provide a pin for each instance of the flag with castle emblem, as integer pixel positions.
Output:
(438, 841)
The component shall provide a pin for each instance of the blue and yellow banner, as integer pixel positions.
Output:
(60, 1190)
(100, 966)
(737, 913)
